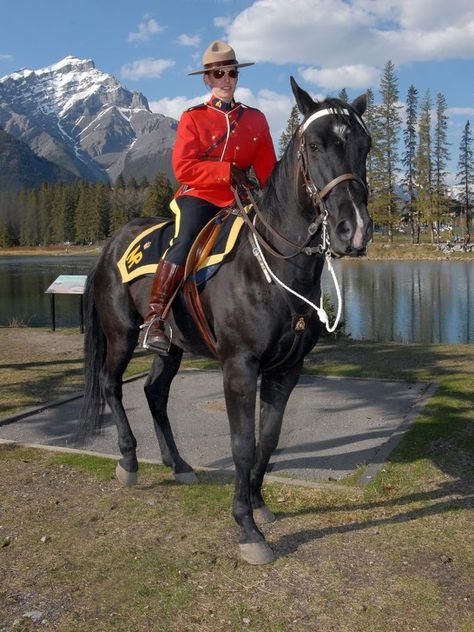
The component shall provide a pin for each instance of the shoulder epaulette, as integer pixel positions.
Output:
(199, 106)
(248, 107)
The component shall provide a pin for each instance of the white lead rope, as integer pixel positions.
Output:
(270, 275)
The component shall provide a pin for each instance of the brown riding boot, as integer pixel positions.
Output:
(168, 276)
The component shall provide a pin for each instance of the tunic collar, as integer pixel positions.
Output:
(219, 104)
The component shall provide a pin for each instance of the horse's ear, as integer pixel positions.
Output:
(360, 104)
(304, 102)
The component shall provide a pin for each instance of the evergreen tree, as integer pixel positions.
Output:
(465, 176)
(158, 198)
(103, 206)
(87, 216)
(44, 201)
(343, 95)
(58, 215)
(29, 227)
(409, 160)
(387, 124)
(134, 197)
(291, 127)
(119, 210)
(424, 163)
(440, 159)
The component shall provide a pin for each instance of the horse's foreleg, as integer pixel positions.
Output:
(157, 390)
(274, 393)
(119, 352)
(240, 385)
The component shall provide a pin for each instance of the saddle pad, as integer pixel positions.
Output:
(143, 254)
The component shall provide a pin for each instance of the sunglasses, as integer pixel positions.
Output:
(219, 74)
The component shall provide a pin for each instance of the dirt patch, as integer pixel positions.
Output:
(21, 345)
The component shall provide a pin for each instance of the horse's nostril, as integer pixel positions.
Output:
(344, 230)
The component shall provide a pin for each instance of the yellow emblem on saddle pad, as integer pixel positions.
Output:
(132, 264)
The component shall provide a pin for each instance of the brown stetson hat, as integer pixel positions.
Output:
(216, 55)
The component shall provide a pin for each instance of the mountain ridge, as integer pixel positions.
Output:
(86, 122)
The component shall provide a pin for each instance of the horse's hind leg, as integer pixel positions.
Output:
(119, 352)
(274, 393)
(157, 390)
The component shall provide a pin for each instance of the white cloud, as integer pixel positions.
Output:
(189, 40)
(176, 106)
(222, 22)
(460, 111)
(357, 76)
(6, 57)
(276, 107)
(329, 35)
(146, 30)
(148, 68)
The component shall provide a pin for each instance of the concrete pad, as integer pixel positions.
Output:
(331, 426)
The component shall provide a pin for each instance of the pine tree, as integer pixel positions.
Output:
(440, 159)
(424, 164)
(57, 214)
(343, 95)
(408, 161)
(387, 124)
(465, 176)
(291, 127)
(119, 211)
(158, 197)
(103, 205)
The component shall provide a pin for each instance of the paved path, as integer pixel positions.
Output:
(331, 425)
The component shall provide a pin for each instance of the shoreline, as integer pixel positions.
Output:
(377, 252)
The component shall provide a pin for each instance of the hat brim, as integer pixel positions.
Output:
(202, 71)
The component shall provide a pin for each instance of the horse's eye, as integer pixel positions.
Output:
(313, 147)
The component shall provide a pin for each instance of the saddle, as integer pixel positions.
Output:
(198, 254)
(209, 250)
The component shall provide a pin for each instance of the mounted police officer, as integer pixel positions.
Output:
(216, 144)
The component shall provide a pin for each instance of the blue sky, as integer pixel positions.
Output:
(150, 45)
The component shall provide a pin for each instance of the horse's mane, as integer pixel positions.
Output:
(284, 169)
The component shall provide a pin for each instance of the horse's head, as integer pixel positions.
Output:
(333, 147)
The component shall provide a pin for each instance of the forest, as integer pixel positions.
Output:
(408, 181)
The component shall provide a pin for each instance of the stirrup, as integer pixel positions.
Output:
(168, 334)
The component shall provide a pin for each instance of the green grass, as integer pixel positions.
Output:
(397, 554)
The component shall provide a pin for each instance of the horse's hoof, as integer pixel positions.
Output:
(126, 478)
(256, 553)
(187, 478)
(263, 515)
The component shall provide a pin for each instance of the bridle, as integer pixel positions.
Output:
(317, 197)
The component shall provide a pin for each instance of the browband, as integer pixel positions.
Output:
(329, 111)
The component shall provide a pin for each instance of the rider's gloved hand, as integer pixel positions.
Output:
(238, 177)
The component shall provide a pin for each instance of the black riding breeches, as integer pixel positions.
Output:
(194, 214)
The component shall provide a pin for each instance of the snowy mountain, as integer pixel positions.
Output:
(86, 122)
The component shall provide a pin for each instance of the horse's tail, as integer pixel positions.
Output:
(95, 348)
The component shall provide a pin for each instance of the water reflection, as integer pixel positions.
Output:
(23, 281)
(418, 301)
(421, 301)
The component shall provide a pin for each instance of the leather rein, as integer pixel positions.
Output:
(317, 197)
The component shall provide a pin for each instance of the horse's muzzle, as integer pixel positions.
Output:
(351, 239)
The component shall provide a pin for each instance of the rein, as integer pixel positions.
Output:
(317, 197)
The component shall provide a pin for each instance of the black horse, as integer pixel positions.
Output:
(315, 200)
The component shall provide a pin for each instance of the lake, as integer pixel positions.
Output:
(412, 301)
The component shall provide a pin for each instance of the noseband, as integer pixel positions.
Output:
(317, 196)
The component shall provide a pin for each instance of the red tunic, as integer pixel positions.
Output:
(246, 143)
